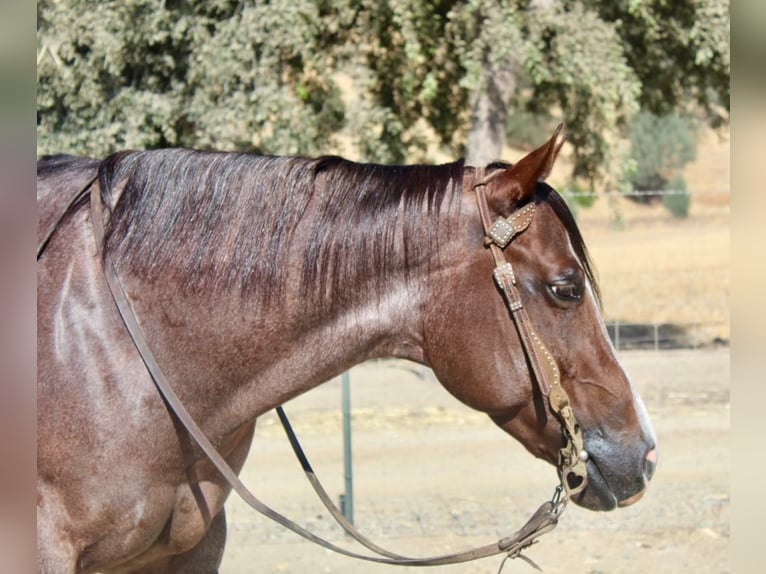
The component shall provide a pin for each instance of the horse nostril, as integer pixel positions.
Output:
(650, 463)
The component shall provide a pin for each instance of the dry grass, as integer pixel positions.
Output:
(662, 270)
(656, 268)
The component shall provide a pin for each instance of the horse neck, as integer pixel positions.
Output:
(280, 352)
(370, 302)
(302, 340)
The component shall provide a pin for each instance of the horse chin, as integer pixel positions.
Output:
(597, 495)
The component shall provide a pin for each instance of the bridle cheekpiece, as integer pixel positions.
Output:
(545, 372)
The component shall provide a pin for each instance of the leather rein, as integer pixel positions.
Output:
(572, 457)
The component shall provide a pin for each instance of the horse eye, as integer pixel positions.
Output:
(567, 291)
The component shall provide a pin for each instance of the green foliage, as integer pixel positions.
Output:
(679, 51)
(581, 196)
(578, 197)
(528, 130)
(660, 148)
(580, 67)
(679, 201)
(252, 74)
(223, 74)
(436, 55)
(404, 60)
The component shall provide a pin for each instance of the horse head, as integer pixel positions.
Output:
(484, 363)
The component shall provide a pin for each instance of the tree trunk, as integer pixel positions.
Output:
(489, 116)
(489, 113)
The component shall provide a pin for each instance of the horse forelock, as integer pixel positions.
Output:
(228, 220)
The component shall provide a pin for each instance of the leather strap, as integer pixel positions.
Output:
(572, 456)
(70, 206)
(543, 520)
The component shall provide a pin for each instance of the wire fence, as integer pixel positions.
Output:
(661, 336)
(641, 193)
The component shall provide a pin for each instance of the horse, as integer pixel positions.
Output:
(256, 278)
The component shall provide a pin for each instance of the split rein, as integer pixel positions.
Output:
(572, 457)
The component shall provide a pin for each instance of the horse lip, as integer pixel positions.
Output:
(599, 489)
(631, 499)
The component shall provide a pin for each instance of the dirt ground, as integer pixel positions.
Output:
(432, 476)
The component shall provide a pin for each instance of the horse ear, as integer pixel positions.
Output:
(518, 182)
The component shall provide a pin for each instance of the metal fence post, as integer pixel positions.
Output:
(347, 499)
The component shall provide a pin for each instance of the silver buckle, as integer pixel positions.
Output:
(504, 269)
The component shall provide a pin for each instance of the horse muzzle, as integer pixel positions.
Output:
(616, 477)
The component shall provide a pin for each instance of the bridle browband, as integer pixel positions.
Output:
(571, 464)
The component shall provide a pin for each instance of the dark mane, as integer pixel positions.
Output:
(227, 220)
(48, 165)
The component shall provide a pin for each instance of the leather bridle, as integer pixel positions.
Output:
(572, 457)
(498, 235)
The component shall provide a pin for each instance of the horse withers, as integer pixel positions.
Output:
(257, 278)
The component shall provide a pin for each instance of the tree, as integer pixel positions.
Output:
(468, 66)
(148, 73)
(246, 74)
(660, 147)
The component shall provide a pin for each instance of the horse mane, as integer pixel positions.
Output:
(222, 220)
(48, 165)
(227, 220)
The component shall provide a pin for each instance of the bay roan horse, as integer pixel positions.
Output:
(257, 278)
